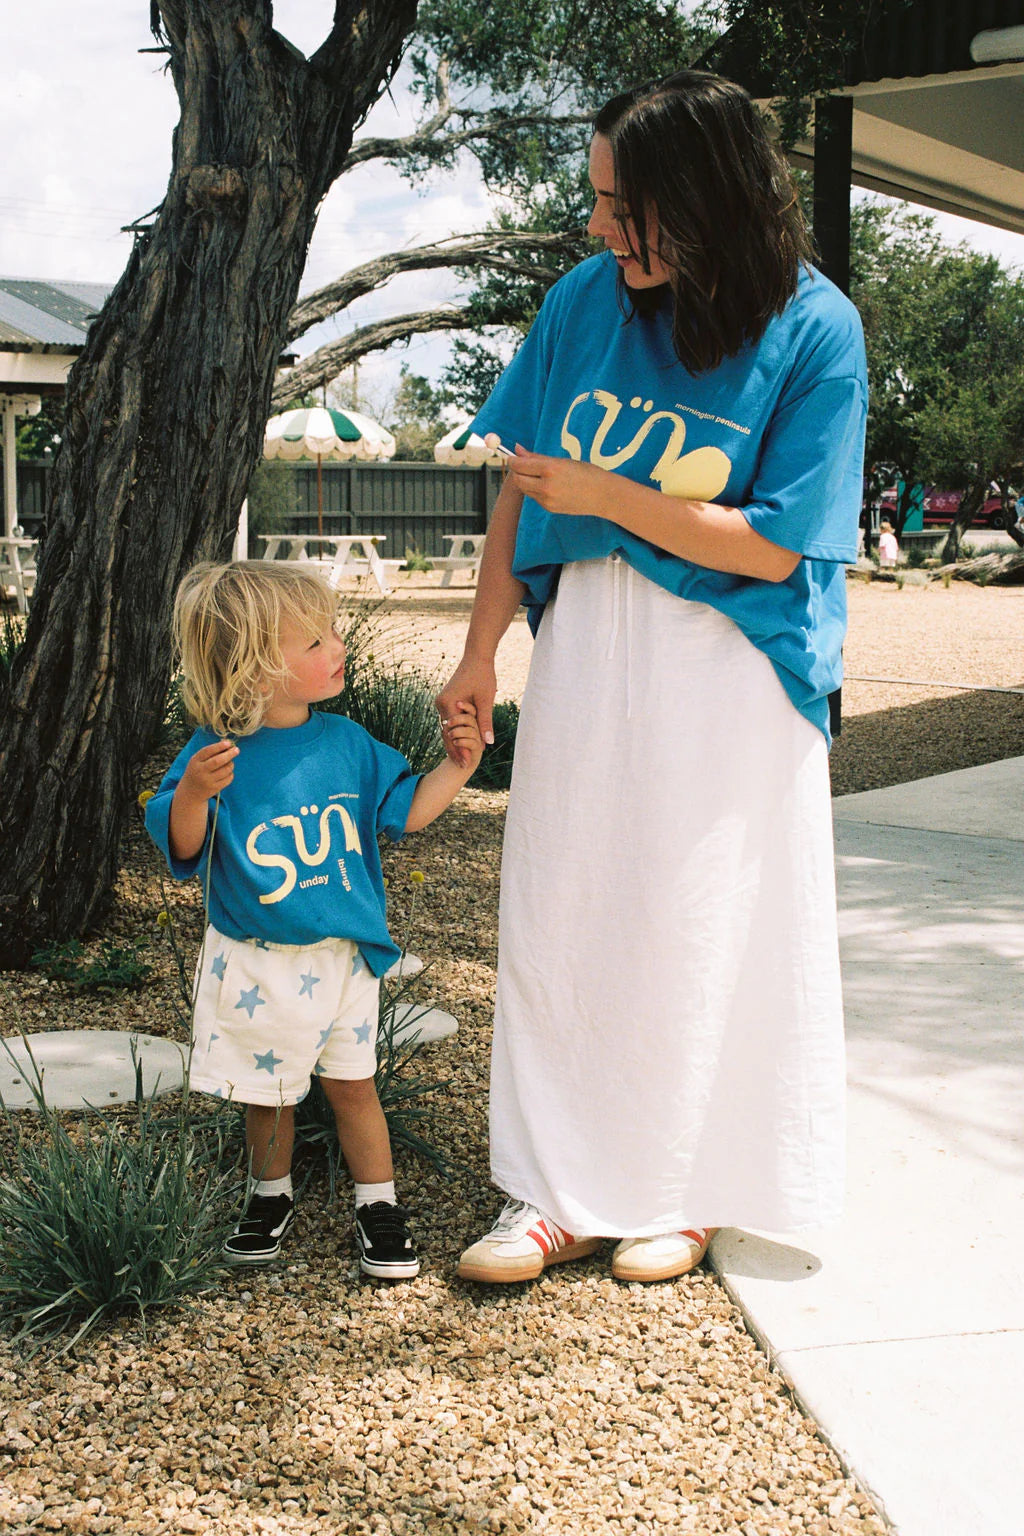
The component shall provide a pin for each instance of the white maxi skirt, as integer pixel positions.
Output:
(668, 1045)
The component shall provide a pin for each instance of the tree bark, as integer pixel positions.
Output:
(165, 415)
(971, 503)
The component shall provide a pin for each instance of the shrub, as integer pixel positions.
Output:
(113, 967)
(396, 706)
(495, 770)
(416, 560)
(118, 1219)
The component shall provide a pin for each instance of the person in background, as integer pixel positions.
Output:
(888, 548)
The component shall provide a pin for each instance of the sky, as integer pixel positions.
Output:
(86, 123)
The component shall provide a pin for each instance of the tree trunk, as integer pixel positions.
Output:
(971, 503)
(165, 415)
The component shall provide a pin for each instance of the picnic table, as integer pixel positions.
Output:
(349, 553)
(464, 551)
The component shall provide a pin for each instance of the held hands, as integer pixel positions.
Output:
(209, 770)
(472, 688)
(560, 485)
(462, 738)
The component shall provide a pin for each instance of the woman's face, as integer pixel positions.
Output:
(620, 236)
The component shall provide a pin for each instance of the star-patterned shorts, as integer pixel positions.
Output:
(268, 1016)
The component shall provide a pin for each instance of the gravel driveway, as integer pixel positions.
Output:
(302, 1400)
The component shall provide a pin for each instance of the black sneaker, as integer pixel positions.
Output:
(385, 1247)
(257, 1238)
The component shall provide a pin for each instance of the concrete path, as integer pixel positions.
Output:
(902, 1332)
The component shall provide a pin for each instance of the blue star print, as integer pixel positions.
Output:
(267, 1062)
(309, 981)
(218, 966)
(251, 1000)
(362, 1032)
(324, 1037)
(358, 963)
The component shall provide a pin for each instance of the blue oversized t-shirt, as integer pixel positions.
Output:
(295, 856)
(776, 430)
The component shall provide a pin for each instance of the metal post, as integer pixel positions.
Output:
(833, 165)
(10, 469)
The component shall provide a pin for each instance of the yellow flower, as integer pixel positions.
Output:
(163, 919)
(417, 877)
(146, 797)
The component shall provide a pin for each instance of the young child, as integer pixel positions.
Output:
(888, 548)
(278, 807)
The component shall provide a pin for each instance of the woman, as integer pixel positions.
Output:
(688, 420)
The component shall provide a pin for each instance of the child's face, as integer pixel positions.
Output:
(316, 667)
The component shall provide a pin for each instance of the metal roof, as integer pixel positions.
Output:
(904, 40)
(34, 313)
(929, 124)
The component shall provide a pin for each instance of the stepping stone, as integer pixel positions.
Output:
(427, 1024)
(87, 1068)
(408, 965)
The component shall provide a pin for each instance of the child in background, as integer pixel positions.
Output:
(279, 808)
(888, 549)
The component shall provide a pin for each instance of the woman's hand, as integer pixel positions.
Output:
(565, 485)
(472, 687)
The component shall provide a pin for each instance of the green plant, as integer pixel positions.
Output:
(495, 770)
(176, 727)
(416, 560)
(119, 1218)
(114, 967)
(947, 577)
(916, 557)
(967, 551)
(12, 634)
(396, 705)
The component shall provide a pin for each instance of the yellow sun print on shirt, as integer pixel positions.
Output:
(700, 475)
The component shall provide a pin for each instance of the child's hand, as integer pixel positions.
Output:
(462, 736)
(209, 770)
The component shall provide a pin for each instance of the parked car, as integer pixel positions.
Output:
(942, 506)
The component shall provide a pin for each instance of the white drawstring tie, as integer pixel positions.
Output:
(613, 636)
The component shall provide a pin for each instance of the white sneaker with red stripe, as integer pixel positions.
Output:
(662, 1257)
(520, 1245)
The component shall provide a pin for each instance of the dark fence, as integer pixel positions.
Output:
(412, 506)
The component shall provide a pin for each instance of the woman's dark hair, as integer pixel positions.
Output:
(693, 148)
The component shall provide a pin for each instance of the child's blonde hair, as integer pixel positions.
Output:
(227, 626)
(885, 526)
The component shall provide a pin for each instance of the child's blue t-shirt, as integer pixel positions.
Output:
(776, 430)
(294, 854)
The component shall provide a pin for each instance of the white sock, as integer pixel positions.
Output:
(274, 1186)
(369, 1194)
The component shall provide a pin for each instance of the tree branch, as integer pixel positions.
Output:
(491, 248)
(425, 140)
(365, 44)
(327, 362)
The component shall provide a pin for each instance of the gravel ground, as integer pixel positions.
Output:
(301, 1399)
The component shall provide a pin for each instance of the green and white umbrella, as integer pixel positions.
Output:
(321, 432)
(461, 446)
